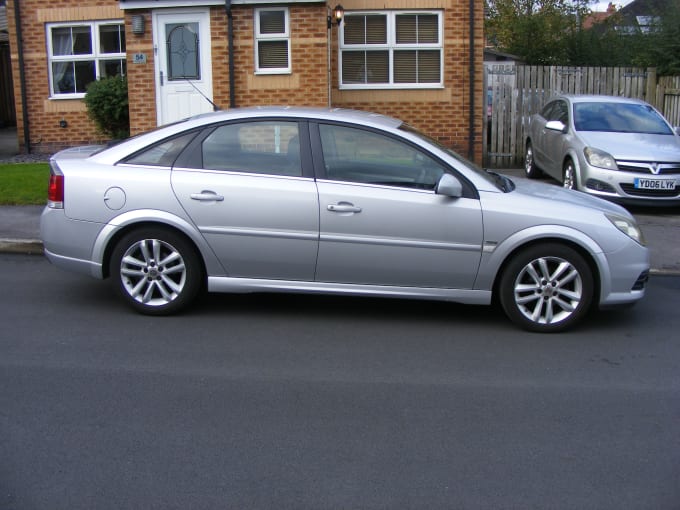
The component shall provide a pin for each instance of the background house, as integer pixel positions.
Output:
(412, 61)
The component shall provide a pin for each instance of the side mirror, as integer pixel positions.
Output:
(556, 125)
(677, 130)
(449, 186)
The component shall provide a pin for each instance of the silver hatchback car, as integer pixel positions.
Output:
(328, 201)
(612, 147)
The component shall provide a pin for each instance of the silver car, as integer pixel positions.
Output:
(612, 147)
(343, 202)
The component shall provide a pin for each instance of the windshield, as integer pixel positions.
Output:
(619, 118)
(469, 164)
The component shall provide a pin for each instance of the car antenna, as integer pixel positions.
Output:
(215, 107)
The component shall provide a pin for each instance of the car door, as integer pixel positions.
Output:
(381, 223)
(249, 189)
(538, 132)
(554, 140)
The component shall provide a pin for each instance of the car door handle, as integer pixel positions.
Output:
(343, 207)
(207, 196)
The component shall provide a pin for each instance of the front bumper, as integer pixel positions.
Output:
(623, 185)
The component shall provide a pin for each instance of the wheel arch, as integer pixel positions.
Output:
(571, 155)
(586, 254)
(494, 263)
(123, 225)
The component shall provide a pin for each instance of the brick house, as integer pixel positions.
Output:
(405, 58)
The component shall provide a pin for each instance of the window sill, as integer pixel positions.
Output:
(434, 86)
(69, 97)
(275, 72)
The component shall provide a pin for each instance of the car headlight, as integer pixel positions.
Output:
(600, 159)
(628, 227)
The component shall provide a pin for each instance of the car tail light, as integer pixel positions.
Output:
(55, 192)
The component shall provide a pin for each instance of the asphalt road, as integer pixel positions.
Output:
(301, 402)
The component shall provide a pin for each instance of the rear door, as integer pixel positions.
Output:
(248, 188)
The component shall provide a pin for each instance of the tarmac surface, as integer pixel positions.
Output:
(20, 225)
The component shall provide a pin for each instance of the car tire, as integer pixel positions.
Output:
(530, 168)
(569, 179)
(156, 270)
(546, 288)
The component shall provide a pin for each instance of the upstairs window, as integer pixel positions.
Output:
(272, 41)
(81, 53)
(391, 50)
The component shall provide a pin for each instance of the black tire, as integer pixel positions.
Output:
(530, 168)
(546, 288)
(156, 271)
(569, 178)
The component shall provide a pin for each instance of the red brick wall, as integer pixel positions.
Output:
(442, 113)
(44, 116)
(141, 77)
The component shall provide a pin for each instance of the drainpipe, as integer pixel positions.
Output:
(22, 77)
(471, 116)
(230, 38)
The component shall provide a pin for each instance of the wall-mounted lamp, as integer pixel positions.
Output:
(336, 15)
(138, 24)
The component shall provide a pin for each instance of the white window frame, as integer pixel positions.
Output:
(97, 56)
(272, 38)
(391, 46)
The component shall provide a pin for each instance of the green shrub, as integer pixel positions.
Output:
(107, 106)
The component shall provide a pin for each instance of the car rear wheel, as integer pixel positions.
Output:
(157, 271)
(569, 175)
(547, 288)
(530, 168)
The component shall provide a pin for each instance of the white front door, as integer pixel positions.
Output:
(183, 64)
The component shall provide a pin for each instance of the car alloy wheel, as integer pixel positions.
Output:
(547, 288)
(156, 271)
(569, 175)
(530, 169)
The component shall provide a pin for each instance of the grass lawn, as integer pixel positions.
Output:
(24, 183)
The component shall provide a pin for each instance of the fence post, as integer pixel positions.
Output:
(650, 93)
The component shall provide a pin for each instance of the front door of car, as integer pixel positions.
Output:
(553, 141)
(248, 188)
(381, 223)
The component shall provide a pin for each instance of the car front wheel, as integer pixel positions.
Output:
(547, 288)
(569, 175)
(157, 271)
(530, 168)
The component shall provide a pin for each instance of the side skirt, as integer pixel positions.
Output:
(249, 285)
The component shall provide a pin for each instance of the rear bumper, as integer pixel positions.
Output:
(68, 243)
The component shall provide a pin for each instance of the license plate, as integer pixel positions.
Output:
(663, 184)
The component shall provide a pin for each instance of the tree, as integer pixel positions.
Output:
(551, 32)
(534, 30)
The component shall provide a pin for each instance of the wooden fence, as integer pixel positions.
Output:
(515, 93)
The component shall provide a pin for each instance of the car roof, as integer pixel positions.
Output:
(594, 98)
(143, 140)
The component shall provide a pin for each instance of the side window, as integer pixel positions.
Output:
(162, 154)
(560, 112)
(547, 109)
(254, 147)
(357, 155)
